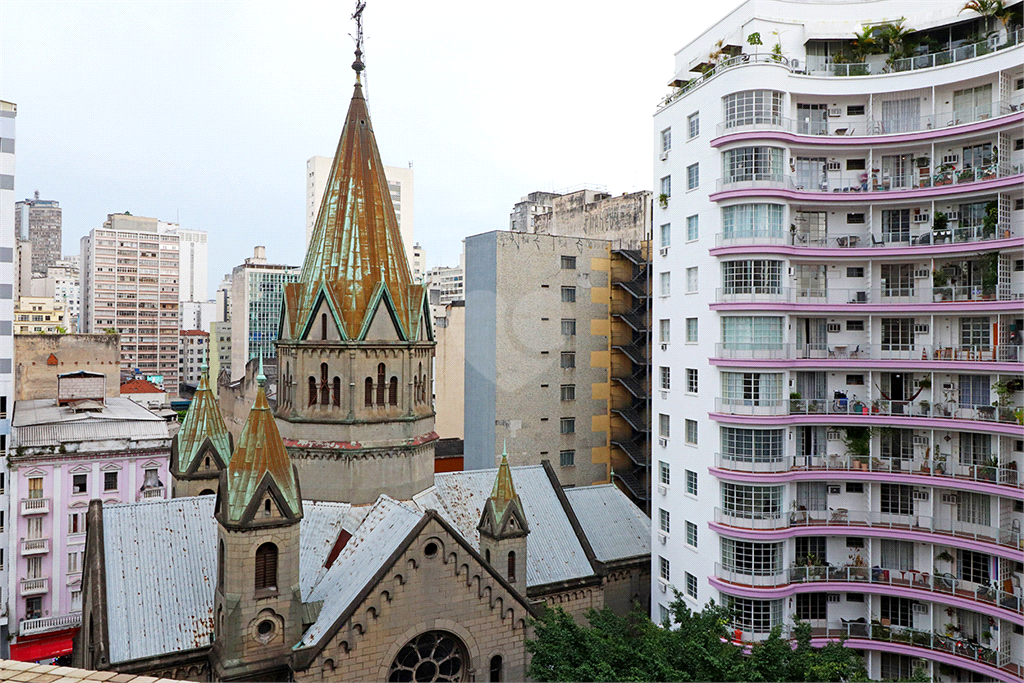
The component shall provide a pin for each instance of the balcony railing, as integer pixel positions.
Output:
(943, 585)
(35, 546)
(155, 492)
(941, 471)
(1003, 353)
(35, 586)
(35, 506)
(829, 295)
(842, 517)
(853, 406)
(862, 126)
(858, 183)
(64, 621)
(921, 234)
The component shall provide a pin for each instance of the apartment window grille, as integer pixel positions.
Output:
(690, 432)
(666, 140)
(692, 176)
(897, 499)
(666, 186)
(693, 125)
(753, 445)
(691, 534)
(897, 334)
(753, 163)
(754, 276)
(691, 482)
(692, 228)
(663, 426)
(897, 279)
(568, 263)
(691, 585)
(569, 295)
(899, 611)
(974, 508)
(568, 392)
(567, 458)
(666, 235)
(751, 388)
(811, 606)
(975, 332)
(110, 481)
(973, 567)
(854, 219)
(691, 381)
(568, 359)
(664, 473)
(751, 107)
(855, 110)
(752, 502)
(691, 330)
(975, 391)
(744, 221)
(666, 377)
(975, 449)
(664, 569)
(665, 283)
(896, 225)
(569, 327)
(751, 559)
(750, 333)
(665, 521)
(691, 280)
(813, 549)
(568, 425)
(664, 331)
(754, 616)
(855, 271)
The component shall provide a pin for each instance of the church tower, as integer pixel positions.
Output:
(257, 604)
(356, 348)
(503, 529)
(202, 447)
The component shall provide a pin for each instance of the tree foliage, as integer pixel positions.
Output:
(696, 647)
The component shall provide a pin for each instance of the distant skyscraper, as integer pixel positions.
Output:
(400, 184)
(192, 265)
(8, 241)
(257, 289)
(39, 221)
(130, 275)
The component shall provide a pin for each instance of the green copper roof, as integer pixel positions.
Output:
(356, 243)
(260, 452)
(202, 420)
(504, 491)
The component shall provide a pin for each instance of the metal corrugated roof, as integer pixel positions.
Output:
(616, 528)
(553, 552)
(161, 560)
(387, 524)
(41, 422)
(321, 524)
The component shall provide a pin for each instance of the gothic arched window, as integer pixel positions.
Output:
(496, 668)
(325, 388)
(381, 384)
(368, 392)
(220, 566)
(512, 566)
(266, 567)
(393, 392)
(337, 392)
(323, 326)
(312, 391)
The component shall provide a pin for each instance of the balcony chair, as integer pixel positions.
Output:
(877, 242)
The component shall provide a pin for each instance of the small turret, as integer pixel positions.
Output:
(202, 447)
(503, 528)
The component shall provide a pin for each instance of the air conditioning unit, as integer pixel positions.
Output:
(663, 537)
(835, 166)
(951, 159)
(835, 112)
(921, 217)
(920, 440)
(835, 327)
(920, 495)
(664, 396)
(921, 328)
(663, 251)
(663, 443)
(953, 215)
(664, 155)
(921, 273)
(947, 386)
(662, 489)
(950, 499)
(834, 490)
(920, 608)
(664, 586)
(834, 435)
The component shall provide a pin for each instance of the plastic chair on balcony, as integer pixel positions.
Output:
(877, 241)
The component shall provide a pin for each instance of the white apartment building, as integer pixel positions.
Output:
(192, 264)
(8, 243)
(130, 275)
(837, 326)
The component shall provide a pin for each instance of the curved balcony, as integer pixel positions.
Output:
(924, 357)
(771, 525)
(912, 584)
(921, 240)
(864, 300)
(859, 130)
(919, 471)
(835, 188)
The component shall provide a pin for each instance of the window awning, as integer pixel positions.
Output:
(46, 646)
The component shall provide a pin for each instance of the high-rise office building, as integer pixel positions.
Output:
(8, 244)
(192, 265)
(130, 276)
(838, 279)
(39, 222)
(257, 290)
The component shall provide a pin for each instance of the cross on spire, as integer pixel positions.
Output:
(358, 65)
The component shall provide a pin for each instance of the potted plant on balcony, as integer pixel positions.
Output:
(939, 278)
(943, 176)
(925, 382)
(663, 200)
(966, 175)
(794, 402)
(1004, 401)
(858, 445)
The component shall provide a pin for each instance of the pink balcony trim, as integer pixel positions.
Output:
(869, 197)
(876, 420)
(873, 531)
(868, 140)
(922, 306)
(965, 366)
(870, 252)
(925, 653)
(987, 608)
(861, 475)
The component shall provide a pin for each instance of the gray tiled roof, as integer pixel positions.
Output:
(321, 524)
(616, 528)
(553, 551)
(161, 560)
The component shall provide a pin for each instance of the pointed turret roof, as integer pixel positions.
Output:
(260, 462)
(356, 249)
(504, 491)
(203, 422)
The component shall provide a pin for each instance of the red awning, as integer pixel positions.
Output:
(45, 646)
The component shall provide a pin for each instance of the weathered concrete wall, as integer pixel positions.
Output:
(35, 378)
(624, 219)
(450, 373)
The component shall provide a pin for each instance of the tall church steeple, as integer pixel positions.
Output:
(503, 528)
(202, 447)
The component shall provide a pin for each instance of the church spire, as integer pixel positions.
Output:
(203, 431)
(504, 491)
(259, 467)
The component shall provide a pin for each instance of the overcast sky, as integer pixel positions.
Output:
(205, 112)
